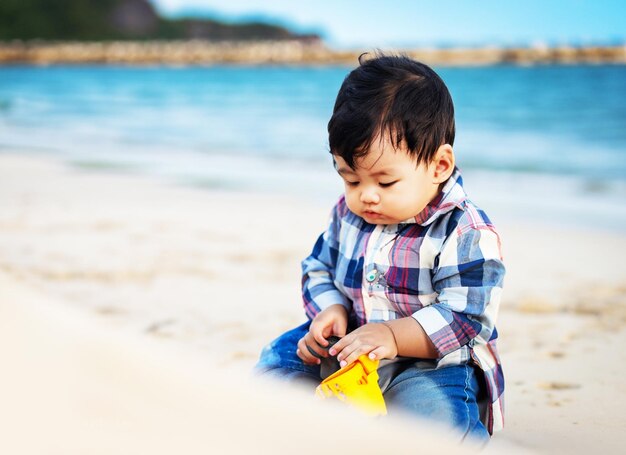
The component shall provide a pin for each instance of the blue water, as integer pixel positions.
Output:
(544, 141)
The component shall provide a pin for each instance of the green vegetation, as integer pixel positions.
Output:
(60, 19)
(100, 20)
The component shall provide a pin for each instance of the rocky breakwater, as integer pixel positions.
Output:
(537, 55)
(192, 52)
(297, 51)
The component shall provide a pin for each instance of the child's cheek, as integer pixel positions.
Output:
(351, 201)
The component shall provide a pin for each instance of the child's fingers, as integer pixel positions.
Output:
(305, 354)
(339, 329)
(307, 359)
(317, 349)
(352, 352)
(381, 352)
(318, 335)
(343, 343)
(312, 347)
(340, 345)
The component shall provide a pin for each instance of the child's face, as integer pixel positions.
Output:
(388, 186)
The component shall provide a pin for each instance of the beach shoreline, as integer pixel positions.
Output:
(167, 263)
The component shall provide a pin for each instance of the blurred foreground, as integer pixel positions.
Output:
(131, 310)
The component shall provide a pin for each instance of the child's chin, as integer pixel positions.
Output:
(379, 219)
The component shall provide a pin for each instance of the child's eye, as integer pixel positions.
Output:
(351, 183)
(385, 185)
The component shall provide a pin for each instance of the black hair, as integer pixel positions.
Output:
(392, 95)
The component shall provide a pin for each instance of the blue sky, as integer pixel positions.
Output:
(378, 23)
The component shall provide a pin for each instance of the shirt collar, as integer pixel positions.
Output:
(451, 196)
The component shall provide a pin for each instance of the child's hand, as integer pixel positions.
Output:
(375, 339)
(331, 321)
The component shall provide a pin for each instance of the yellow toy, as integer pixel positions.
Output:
(357, 385)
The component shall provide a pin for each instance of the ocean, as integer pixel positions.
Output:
(537, 133)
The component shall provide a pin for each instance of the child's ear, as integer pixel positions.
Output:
(443, 163)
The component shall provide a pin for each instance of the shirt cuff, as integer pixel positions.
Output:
(328, 298)
(438, 329)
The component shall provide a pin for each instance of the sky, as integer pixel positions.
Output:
(406, 23)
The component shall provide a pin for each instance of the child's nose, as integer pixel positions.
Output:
(370, 196)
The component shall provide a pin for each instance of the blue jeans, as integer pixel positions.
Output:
(446, 395)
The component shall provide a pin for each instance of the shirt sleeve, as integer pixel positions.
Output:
(318, 269)
(468, 280)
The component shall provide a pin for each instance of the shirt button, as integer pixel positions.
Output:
(371, 276)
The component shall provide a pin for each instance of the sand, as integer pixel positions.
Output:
(132, 311)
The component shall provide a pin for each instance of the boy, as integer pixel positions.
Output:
(409, 270)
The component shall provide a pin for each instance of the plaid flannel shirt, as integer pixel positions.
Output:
(443, 267)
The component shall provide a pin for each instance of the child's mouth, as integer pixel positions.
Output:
(370, 214)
